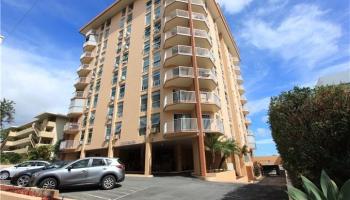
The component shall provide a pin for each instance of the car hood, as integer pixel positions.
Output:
(8, 168)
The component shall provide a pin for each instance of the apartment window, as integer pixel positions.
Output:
(127, 44)
(156, 2)
(100, 37)
(89, 136)
(156, 78)
(121, 22)
(131, 7)
(95, 101)
(117, 61)
(92, 118)
(157, 27)
(124, 12)
(120, 109)
(119, 47)
(98, 85)
(157, 13)
(108, 132)
(128, 30)
(125, 57)
(144, 82)
(106, 35)
(88, 102)
(156, 59)
(145, 64)
(113, 92)
(82, 135)
(146, 47)
(129, 18)
(144, 103)
(155, 120)
(121, 91)
(84, 120)
(100, 70)
(156, 99)
(143, 125)
(115, 77)
(156, 42)
(147, 32)
(110, 110)
(118, 128)
(123, 76)
(108, 22)
(149, 6)
(104, 45)
(148, 19)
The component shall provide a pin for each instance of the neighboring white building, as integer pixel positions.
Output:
(335, 78)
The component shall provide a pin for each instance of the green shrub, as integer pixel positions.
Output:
(42, 152)
(311, 128)
(328, 191)
(10, 158)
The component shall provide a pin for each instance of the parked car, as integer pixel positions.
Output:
(102, 171)
(23, 178)
(9, 172)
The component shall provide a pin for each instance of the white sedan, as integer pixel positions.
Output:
(9, 172)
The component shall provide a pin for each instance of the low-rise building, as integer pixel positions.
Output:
(47, 128)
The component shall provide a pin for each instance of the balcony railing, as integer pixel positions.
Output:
(180, 71)
(243, 99)
(245, 110)
(210, 98)
(71, 127)
(177, 13)
(86, 57)
(181, 125)
(239, 79)
(76, 107)
(207, 74)
(241, 89)
(81, 80)
(199, 20)
(213, 125)
(69, 144)
(181, 96)
(179, 36)
(78, 94)
(89, 45)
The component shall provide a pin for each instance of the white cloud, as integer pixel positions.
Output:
(262, 132)
(305, 35)
(265, 141)
(259, 105)
(234, 6)
(264, 118)
(35, 82)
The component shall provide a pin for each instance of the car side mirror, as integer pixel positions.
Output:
(69, 168)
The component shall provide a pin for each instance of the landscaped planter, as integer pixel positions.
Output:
(15, 192)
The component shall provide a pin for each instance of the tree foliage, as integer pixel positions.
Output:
(10, 158)
(7, 112)
(311, 128)
(42, 152)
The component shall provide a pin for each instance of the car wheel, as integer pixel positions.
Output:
(23, 181)
(4, 175)
(48, 183)
(108, 182)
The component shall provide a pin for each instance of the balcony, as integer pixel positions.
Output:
(89, 45)
(185, 101)
(243, 99)
(182, 36)
(71, 128)
(248, 121)
(78, 95)
(181, 18)
(183, 77)
(245, 110)
(46, 134)
(86, 57)
(237, 70)
(213, 126)
(76, 107)
(69, 144)
(81, 83)
(181, 127)
(83, 70)
(21, 150)
(21, 142)
(181, 55)
(22, 133)
(197, 5)
(239, 79)
(241, 89)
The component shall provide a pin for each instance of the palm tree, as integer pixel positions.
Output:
(212, 144)
(227, 148)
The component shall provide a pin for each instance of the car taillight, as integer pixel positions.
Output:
(120, 166)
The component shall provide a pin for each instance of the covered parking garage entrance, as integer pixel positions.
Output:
(172, 157)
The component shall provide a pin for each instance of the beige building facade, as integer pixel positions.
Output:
(47, 128)
(155, 78)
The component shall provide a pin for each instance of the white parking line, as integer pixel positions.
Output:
(131, 193)
(97, 196)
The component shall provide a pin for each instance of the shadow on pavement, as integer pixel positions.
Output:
(83, 188)
(270, 188)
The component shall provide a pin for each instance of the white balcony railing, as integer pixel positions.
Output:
(181, 125)
(78, 94)
(71, 126)
(213, 125)
(81, 80)
(69, 144)
(210, 98)
(187, 50)
(181, 96)
(180, 71)
(207, 74)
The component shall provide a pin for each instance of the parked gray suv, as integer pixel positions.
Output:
(102, 171)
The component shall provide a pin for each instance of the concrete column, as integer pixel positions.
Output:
(178, 154)
(148, 158)
(196, 164)
(238, 165)
(82, 154)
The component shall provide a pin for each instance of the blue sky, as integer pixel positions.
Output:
(282, 43)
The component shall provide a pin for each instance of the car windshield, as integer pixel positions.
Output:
(57, 165)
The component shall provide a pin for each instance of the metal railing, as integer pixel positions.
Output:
(213, 125)
(180, 96)
(181, 125)
(81, 80)
(178, 30)
(78, 94)
(207, 74)
(180, 71)
(203, 52)
(71, 126)
(69, 144)
(210, 98)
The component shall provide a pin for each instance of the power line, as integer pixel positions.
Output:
(23, 16)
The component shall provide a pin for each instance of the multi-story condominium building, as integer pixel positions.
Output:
(47, 128)
(155, 78)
